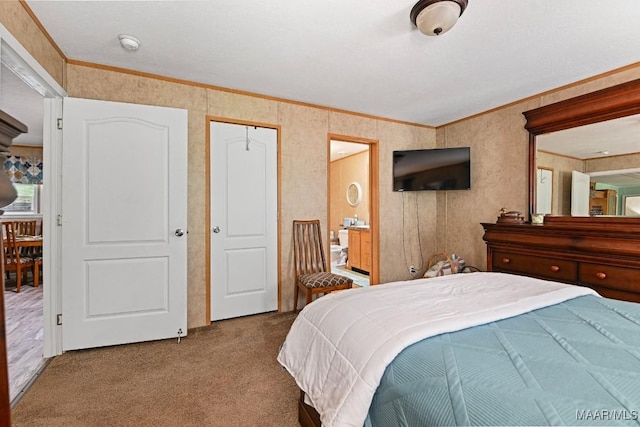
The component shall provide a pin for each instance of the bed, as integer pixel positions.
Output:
(466, 349)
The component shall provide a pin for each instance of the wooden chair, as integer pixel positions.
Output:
(11, 255)
(310, 263)
(25, 227)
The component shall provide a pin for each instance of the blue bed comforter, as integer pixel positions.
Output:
(574, 363)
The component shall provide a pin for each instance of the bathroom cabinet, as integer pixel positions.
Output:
(359, 249)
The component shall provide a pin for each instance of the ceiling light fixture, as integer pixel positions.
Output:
(435, 17)
(129, 42)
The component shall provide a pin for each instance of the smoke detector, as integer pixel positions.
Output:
(128, 42)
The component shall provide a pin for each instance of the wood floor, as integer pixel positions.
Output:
(24, 323)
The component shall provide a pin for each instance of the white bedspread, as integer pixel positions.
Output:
(339, 346)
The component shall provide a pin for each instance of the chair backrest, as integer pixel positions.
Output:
(25, 228)
(308, 253)
(10, 253)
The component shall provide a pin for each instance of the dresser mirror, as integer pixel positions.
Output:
(591, 134)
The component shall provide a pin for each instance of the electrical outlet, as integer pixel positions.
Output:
(412, 270)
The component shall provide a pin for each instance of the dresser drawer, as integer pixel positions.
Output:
(621, 278)
(549, 268)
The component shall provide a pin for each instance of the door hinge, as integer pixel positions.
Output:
(59, 319)
(59, 220)
(59, 121)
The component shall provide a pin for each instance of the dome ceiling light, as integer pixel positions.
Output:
(128, 42)
(436, 17)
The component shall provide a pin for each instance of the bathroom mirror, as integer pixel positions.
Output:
(354, 194)
(579, 118)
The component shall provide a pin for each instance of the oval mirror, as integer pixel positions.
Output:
(354, 194)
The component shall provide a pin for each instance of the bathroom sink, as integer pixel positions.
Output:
(359, 226)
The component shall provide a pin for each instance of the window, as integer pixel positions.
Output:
(27, 201)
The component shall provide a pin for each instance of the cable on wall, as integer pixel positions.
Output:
(404, 249)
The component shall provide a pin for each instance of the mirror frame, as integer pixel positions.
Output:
(611, 103)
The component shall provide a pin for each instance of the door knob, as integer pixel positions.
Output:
(216, 229)
(179, 232)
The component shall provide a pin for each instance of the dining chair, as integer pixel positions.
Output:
(12, 259)
(310, 263)
(37, 270)
(28, 228)
(25, 227)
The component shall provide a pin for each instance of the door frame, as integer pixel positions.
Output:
(208, 120)
(15, 54)
(374, 198)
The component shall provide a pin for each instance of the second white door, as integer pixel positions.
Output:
(244, 225)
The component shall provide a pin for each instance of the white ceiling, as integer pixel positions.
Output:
(341, 149)
(611, 138)
(363, 56)
(358, 55)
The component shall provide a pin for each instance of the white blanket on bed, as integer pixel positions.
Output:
(339, 346)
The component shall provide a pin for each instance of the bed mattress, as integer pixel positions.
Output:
(573, 363)
(340, 345)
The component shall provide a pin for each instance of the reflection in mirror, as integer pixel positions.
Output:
(632, 205)
(606, 151)
(544, 191)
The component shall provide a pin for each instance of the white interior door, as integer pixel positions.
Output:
(123, 261)
(244, 220)
(544, 191)
(580, 193)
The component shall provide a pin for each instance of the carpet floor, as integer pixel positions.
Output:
(225, 374)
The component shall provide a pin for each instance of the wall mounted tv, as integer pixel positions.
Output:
(432, 169)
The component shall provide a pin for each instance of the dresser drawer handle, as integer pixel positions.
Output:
(555, 268)
(600, 275)
(506, 260)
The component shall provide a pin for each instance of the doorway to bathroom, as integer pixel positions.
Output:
(353, 208)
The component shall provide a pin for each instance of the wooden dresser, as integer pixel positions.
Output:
(602, 253)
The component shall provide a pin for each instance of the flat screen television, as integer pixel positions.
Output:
(432, 169)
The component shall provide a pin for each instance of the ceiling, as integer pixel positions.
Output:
(363, 56)
(341, 149)
(611, 138)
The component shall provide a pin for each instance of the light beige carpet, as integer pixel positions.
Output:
(222, 375)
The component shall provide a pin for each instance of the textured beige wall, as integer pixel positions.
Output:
(303, 164)
(613, 163)
(343, 172)
(16, 19)
(563, 166)
(499, 156)
(442, 221)
(499, 168)
(412, 245)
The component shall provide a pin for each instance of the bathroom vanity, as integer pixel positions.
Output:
(359, 249)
